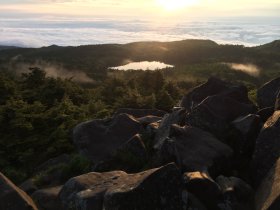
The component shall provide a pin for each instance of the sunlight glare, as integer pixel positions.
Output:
(171, 5)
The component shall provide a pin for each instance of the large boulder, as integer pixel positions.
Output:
(215, 113)
(175, 117)
(155, 189)
(130, 158)
(267, 149)
(203, 187)
(214, 86)
(237, 194)
(277, 102)
(268, 193)
(138, 113)
(47, 199)
(265, 113)
(98, 139)
(266, 95)
(13, 198)
(248, 128)
(195, 150)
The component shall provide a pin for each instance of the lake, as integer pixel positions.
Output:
(143, 65)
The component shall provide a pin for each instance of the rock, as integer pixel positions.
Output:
(155, 189)
(237, 194)
(265, 113)
(195, 150)
(148, 120)
(268, 194)
(130, 157)
(214, 86)
(138, 113)
(203, 187)
(28, 186)
(47, 199)
(277, 102)
(266, 95)
(13, 198)
(175, 117)
(61, 159)
(98, 139)
(248, 128)
(215, 113)
(267, 149)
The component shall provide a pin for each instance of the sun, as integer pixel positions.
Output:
(171, 5)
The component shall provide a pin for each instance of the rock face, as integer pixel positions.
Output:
(176, 117)
(237, 195)
(248, 128)
(98, 139)
(265, 113)
(266, 95)
(203, 187)
(12, 198)
(47, 199)
(195, 150)
(267, 149)
(268, 193)
(277, 102)
(119, 190)
(130, 157)
(214, 86)
(138, 113)
(216, 112)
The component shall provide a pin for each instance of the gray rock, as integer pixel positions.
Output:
(265, 113)
(47, 199)
(175, 117)
(155, 189)
(214, 86)
(28, 186)
(268, 193)
(248, 128)
(13, 198)
(138, 113)
(149, 119)
(266, 95)
(277, 102)
(195, 150)
(237, 195)
(203, 187)
(267, 149)
(215, 113)
(98, 139)
(130, 158)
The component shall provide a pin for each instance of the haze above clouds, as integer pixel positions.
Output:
(36, 23)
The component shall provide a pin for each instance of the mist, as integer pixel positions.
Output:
(52, 70)
(250, 69)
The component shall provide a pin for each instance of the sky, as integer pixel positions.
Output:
(141, 8)
(36, 23)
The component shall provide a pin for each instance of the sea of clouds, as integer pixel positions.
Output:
(40, 32)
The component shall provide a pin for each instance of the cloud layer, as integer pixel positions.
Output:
(64, 32)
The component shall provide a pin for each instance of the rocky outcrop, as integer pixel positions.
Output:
(130, 158)
(195, 150)
(98, 139)
(268, 193)
(267, 149)
(237, 194)
(214, 86)
(266, 95)
(119, 190)
(203, 187)
(277, 102)
(265, 113)
(13, 198)
(47, 199)
(138, 113)
(248, 128)
(176, 117)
